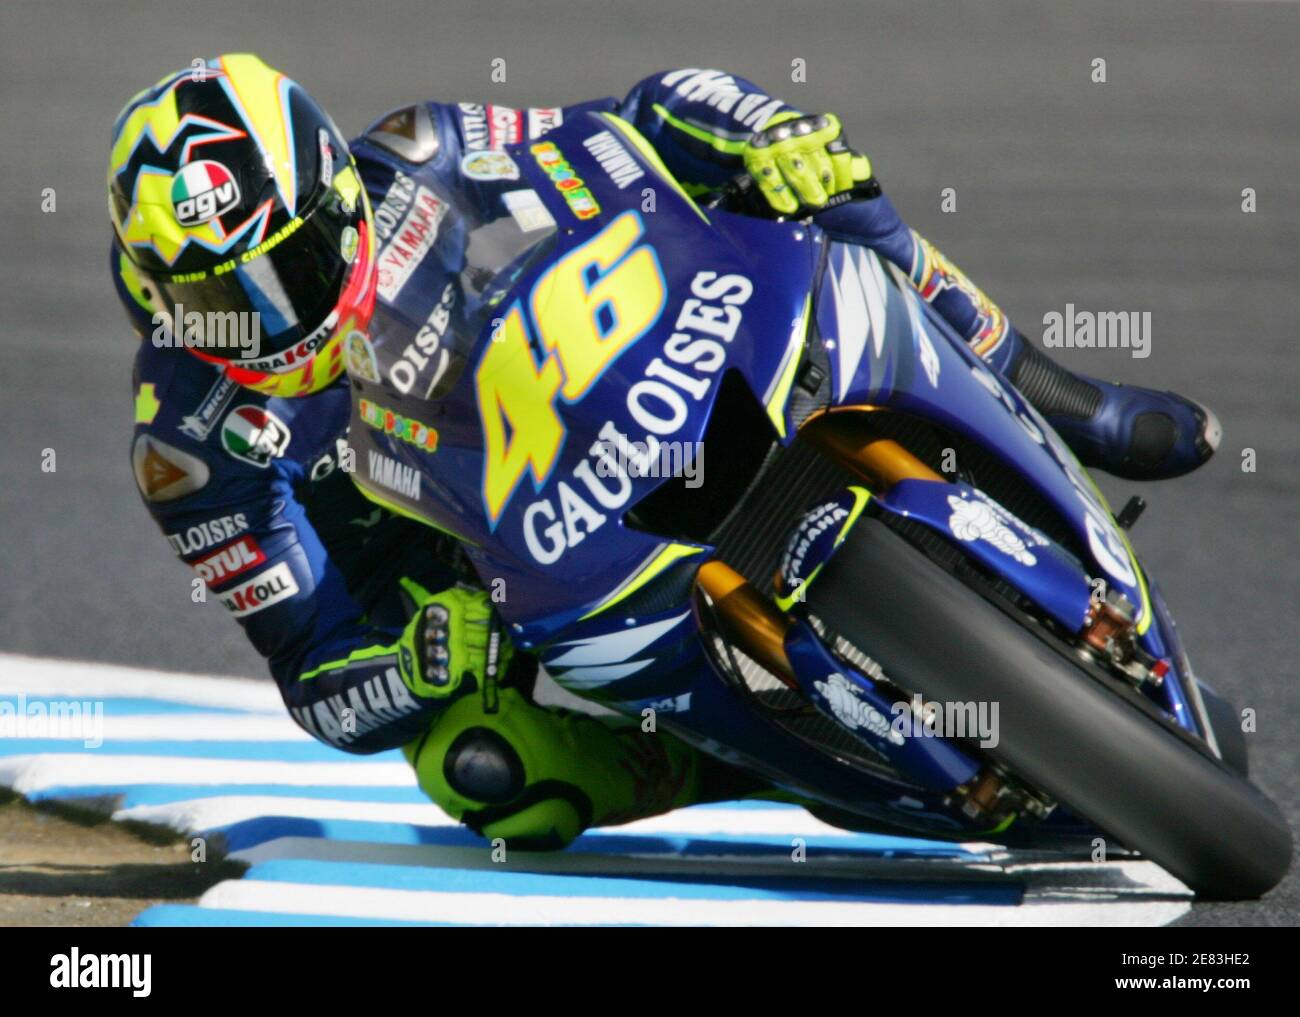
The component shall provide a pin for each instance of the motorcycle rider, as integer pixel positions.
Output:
(231, 190)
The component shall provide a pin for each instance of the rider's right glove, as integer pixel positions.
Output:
(803, 161)
(451, 643)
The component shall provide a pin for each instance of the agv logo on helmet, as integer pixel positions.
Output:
(201, 191)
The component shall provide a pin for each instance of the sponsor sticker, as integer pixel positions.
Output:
(395, 476)
(204, 535)
(260, 592)
(254, 435)
(413, 432)
(295, 356)
(706, 322)
(571, 187)
(426, 349)
(845, 701)
(820, 523)
(348, 243)
(229, 561)
(528, 210)
(201, 191)
(198, 425)
(164, 473)
(397, 199)
(473, 125)
(374, 695)
(326, 158)
(505, 126)
(614, 159)
(410, 242)
(981, 519)
(488, 166)
(359, 356)
(542, 119)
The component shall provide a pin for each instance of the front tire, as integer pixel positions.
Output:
(1065, 729)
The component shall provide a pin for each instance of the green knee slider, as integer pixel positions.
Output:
(538, 776)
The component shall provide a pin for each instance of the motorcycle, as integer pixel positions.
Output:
(734, 474)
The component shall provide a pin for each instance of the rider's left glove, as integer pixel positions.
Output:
(803, 161)
(451, 641)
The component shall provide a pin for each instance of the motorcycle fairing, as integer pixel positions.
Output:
(991, 535)
(721, 288)
(923, 368)
(611, 651)
(884, 726)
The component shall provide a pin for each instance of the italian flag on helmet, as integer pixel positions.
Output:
(203, 190)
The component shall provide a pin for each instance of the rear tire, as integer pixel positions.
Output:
(1064, 728)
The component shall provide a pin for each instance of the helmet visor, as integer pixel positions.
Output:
(254, 308)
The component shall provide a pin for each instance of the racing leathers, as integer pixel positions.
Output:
(253, 491)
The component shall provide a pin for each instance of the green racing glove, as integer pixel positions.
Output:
(803, 161)
(452, 636)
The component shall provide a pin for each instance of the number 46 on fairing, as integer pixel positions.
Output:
(586, 309)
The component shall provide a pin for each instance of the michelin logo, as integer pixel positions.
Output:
(973, 520)
(844, 700)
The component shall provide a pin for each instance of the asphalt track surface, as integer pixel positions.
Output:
(1122, 195)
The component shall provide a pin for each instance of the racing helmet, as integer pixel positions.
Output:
(243, 223)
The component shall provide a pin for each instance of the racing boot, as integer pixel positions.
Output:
(538, 776)
(1128, 431)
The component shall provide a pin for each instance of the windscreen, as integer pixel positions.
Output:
(495, 256)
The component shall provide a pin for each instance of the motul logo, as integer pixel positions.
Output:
(260, 592)
(225, 563)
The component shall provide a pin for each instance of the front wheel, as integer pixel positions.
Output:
(1064, 729)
